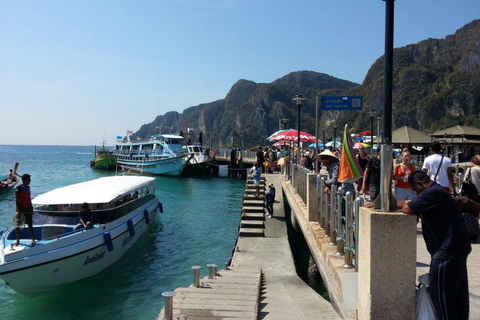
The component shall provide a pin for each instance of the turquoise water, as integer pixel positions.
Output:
(199, 226)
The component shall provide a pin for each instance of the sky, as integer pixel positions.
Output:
(80, 72)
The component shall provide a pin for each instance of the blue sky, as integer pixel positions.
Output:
(72, 73)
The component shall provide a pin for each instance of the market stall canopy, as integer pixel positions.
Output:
(292, 135)
(407, 135)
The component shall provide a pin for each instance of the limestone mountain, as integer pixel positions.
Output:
(436, 85)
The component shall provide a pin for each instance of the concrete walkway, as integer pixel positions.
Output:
(284, 295)
(473, 265)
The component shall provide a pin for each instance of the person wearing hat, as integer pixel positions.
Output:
(270, 199)
(308, 161)
(330, 161)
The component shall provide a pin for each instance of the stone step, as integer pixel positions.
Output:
(231, 294)
(251, 232)
(253, 216)
(255, 202)
(252, 224)
(253, 209)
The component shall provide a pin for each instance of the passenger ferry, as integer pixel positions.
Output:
(122, 208)
(161, 154)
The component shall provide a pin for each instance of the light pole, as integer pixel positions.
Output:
(372, 115)
(334, 136)
(323, 136)
(298, 99)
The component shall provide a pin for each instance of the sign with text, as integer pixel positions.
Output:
(341, 103)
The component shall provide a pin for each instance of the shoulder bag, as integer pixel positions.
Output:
(439, 166)
(468, 187)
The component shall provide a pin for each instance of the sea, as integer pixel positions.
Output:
(199, 226)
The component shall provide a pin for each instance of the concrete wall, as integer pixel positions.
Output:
(387, 265)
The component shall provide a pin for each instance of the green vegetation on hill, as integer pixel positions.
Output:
(436, 85)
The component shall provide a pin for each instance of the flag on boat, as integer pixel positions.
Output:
(350, 169)
(129, 132)
(119, 137)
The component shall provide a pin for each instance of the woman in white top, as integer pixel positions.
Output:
(474, 172)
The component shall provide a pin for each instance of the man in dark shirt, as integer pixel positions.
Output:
(261, 159)
(371, 181)
(447, 242)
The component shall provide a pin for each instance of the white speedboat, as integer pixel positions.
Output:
(161, 154)
(200, 163)
(122, 209)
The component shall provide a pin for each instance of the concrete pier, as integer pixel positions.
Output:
(262, 282)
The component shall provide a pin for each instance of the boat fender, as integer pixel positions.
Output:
(131, 228)
(108, 240)
(147, 216)
(160, 207)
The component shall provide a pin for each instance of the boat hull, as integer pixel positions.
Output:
(43, 268)
(105, 162)
(201, 168)
(167, 166)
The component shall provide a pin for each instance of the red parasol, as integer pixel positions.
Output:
(281, 143)
(366, 132)
(292, 135)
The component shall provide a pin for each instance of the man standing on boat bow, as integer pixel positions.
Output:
(24, 209)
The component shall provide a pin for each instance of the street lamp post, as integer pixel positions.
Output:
(372, 115)
(298, 99)
(334, 136)
(284, 122)
(323, 137)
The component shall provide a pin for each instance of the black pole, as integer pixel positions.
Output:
(388, 80)
(334, 136)
(371, 132)
(298, 99)
(323, 136)
(299, 105)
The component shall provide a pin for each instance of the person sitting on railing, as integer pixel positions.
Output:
(331, 162)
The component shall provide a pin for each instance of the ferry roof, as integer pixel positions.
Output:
(100, 190)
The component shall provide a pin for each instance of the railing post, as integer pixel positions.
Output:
(332, 217)
(358, 203)
(349, 228)
(340, 229)
(323, 204)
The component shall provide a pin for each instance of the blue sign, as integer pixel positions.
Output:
(341, 103)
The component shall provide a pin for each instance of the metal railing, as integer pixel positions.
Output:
(302, 181)
(338, 214)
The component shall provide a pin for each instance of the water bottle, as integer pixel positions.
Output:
(407, 173)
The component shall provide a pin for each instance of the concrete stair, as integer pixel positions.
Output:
(231, 294)
(252, 223)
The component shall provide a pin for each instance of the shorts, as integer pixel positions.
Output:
(256, 183)
(18, 220)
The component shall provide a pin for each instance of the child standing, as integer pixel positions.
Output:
(270, 200)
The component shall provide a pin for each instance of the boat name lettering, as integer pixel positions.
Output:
(96, 257)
